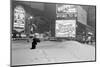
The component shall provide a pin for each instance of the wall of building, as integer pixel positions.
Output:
(81, 15)
(92, 16)
(50, 13)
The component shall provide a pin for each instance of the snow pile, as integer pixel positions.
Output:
(82, 51)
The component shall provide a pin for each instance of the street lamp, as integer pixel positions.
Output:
(29, 26)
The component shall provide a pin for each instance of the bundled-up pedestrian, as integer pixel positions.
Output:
(34, 42)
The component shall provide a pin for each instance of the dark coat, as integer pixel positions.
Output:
(35, 40)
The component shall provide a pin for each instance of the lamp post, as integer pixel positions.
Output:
(29, 23)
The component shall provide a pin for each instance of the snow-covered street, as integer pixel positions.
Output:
(51, 52)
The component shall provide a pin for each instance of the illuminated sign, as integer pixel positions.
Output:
(66, 16)
(65, 8)
(65, 28)
(66, 11)
(19, 18)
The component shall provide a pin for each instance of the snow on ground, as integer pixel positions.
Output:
(51, 52)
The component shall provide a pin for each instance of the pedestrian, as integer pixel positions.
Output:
(88, 39)
(34, 42)
(83, 40)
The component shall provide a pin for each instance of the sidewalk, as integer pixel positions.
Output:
(52, 52)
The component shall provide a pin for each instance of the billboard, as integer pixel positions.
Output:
(19, 18)
(65, 28)
(66, 11)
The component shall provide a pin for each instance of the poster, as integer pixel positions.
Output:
(19, 18)
(66, 11)
(65, 28)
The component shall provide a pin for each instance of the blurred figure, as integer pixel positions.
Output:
(83, 39)
(88, 40)
(34, 42)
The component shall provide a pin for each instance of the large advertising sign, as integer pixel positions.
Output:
(66, 11)
(19, 19)
(65, 28)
